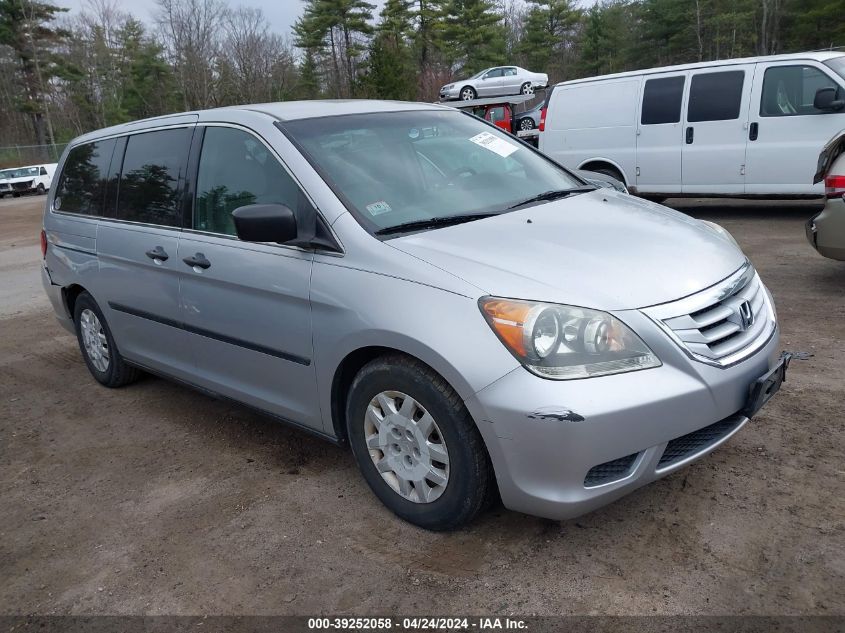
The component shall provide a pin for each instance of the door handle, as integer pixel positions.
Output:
(690, 135)
(197, 260)
(158, 253)
(752, 132)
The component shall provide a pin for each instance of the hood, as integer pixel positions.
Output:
(601, 250)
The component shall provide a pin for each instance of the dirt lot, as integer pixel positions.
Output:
(156, 499)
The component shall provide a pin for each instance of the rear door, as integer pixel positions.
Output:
(786, 132)
(660, 133)
(715, 130)
(137, 246)
(247, 307)
(510, 81)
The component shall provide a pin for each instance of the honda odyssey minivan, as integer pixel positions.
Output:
(469, 317)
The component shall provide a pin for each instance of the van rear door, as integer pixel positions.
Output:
(715, 130)
(787, 131)
(660, 133)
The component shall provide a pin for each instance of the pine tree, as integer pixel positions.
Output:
(550, 37)
(390, 63)
(475, 35)
(26, 28)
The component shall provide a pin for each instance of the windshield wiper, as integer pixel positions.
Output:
(552, 195)
(433, 223)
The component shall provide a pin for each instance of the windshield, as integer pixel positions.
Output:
(19, 173)
(838, 65)
(400, 167)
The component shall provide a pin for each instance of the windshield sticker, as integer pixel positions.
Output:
(377, 208)
(495, 144)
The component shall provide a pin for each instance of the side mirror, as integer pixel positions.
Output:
(825, 99)
(265, 223)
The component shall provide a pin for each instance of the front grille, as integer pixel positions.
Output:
(5, 186)
(22, 186)
(610, 471)
(682, 447)
(714, 325)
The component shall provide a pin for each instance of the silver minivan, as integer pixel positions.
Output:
(471, 318)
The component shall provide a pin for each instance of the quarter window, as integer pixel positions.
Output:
(791, 90)
(662, 100)
(236, 170)
(715, 96)
(82, 184)
(153, 164)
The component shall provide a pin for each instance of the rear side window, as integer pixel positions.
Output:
(662, 100)
(153, 165)
(791, 90)
(715, 96)
(82, 184)
(236, 170)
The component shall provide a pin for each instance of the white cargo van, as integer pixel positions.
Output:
(30, 179)
(739, 127)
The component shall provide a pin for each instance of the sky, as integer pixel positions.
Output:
(281, 14)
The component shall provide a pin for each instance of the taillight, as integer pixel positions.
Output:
(43, 244)
(834, 187)
(542, 125)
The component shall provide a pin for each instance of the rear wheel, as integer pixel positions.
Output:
(526, 124)
(468, 93)
(526, 89)
(97, 345)
(416, 444)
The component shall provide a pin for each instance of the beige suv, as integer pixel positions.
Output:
(826, 231)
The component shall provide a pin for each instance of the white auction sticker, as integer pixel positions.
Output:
(377, 208)
(495, 144)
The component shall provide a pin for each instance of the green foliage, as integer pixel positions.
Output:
(551, 29)
(391, 73)
(474, 35)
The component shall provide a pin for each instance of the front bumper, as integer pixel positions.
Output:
(546, 437)
(826, 230)
(450, 94)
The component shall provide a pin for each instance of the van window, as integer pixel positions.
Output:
(715, 96)
(149, 181)
(82, 184)
(662, 100)
(790, 90)
(235, 170)
(42, 172)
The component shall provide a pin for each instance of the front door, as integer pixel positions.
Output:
(660, 135)
(715, 130)
(246, 305)
(139, 253)
(786, 132)
(491, 83)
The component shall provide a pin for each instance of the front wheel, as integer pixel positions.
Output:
(97, 345)
(468, 93)
(416, 444)
(40, 190)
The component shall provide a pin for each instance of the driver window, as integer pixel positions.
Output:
(496, 72)
(235, 170)
(790, 90)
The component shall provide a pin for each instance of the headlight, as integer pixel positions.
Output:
(566, 342)
(720, 230)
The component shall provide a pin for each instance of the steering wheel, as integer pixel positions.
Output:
(450, 178)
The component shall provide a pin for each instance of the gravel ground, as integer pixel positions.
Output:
(156, 499)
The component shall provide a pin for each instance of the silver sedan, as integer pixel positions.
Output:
(501, 80)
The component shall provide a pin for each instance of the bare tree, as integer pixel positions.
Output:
(191, 31)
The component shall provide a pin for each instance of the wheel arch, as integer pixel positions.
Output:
(352, 363)
(593, 164)
(69, 295)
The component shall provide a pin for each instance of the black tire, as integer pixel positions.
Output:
(470, 487)
(526, 89)
(40, 190)
(526, 123)
(610, 171)
(467, 90)
(117, 373)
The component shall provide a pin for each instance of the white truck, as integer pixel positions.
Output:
(740, 127)
(30, 179)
